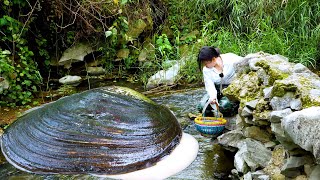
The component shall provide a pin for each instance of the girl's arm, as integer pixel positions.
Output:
(209, 85)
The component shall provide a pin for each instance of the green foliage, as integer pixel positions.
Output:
(164, 47)
(17, 65)
(190, 72)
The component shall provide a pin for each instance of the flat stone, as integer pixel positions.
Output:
(231, 138)
(70, 80)
(75, 53)
(256, 133)
(96, 70)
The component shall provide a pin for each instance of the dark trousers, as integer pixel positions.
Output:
(226, 107)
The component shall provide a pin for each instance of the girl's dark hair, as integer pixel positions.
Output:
(206, 53)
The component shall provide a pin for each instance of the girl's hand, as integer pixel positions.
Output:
(214, 101)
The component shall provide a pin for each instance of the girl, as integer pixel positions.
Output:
(218, 72)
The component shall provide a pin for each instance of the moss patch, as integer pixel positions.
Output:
(280, 89)
(244, 88)
(274, 74)
(308, 102)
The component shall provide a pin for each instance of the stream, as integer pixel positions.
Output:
(212, 162)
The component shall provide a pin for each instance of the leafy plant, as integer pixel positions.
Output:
(16, 64)
(164, 47)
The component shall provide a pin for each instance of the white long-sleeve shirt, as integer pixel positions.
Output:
(211, 75)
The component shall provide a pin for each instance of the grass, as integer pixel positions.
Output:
(290, 28)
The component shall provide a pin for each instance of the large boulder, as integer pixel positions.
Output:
(303, 128)
(260, 71)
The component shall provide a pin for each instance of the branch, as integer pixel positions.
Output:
(30, 13)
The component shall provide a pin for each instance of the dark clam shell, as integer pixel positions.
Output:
(97, 131)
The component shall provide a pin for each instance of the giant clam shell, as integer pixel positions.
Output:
(99, 131)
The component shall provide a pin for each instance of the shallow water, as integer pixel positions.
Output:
(212, 161)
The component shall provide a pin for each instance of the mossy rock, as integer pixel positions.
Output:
(273, 72)
(244, 88)
(135, 29)
(303, 85)
(262, 105)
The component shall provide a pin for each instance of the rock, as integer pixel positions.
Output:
(75, 53)
(276, 116)
(261, 118)
(296, 104)
(247, 176)
(252, 104)
(293, 165)
(254, 60)
(248, 149)
(278, 177)
(276, 69)
(279, 133)
(143, 55)
(270, 144)
(231, 139)
(240, 122)
(308, 168)
(274, 166)
(243, 89)
(280, 103)
(246, 112)
(262, 106)
(249, 120)
(231, 123)
(263, 177)
(147, 52)
(135, 29)
(96, 71)
(301, 177)
(256, 133)
(239, 162)
(302, 85)
(122, 54)
(4, 84)
(315, 174)
(303, 128)
(260, 175)
(299, 68)
(70, 80)
(165, 77)
(267, 92)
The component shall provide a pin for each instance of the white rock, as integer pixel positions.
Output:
(70, 80)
